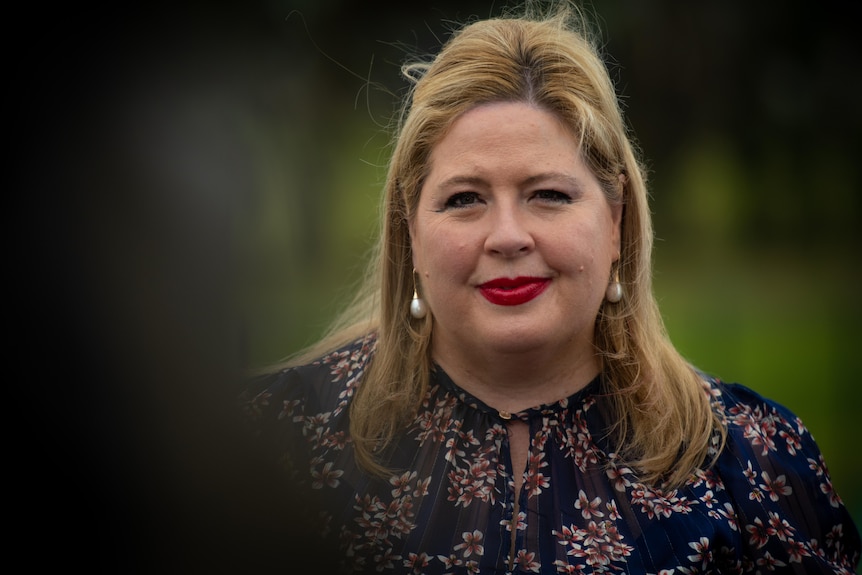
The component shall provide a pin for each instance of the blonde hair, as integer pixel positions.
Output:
(665, 425)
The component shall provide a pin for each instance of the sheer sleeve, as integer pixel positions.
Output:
(273, 407)
(789, 517)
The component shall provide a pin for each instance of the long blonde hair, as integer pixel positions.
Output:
(664, 424)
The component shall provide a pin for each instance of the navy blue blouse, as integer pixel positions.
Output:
(767, 505)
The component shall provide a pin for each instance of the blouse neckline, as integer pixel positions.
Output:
(440, 377)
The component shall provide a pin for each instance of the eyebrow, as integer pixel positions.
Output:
(545, 176)
(456, 181)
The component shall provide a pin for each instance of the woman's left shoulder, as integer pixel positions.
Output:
(732, 398)
(760, 427)
(775, 474)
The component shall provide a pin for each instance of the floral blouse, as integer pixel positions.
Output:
(767, 505)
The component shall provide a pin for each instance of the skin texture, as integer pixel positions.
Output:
(507, 196)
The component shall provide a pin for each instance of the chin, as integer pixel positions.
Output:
(516, 342)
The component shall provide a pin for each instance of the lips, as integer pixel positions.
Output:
(513, 291)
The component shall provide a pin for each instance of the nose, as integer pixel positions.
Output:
(508, 235)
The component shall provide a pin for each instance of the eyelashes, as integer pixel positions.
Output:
(463, 200)
(553, 196)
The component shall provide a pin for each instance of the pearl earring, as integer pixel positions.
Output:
(614, 293)
(417, 304)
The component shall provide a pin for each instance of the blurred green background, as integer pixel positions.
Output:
(206, 178)
(748, 117)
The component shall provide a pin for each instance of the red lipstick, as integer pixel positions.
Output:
(513, 291)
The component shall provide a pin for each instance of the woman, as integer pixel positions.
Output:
(502, 397)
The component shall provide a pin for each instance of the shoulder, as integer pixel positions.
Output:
(740, 406)
(777, 479)
(325, 384)
(757, 423)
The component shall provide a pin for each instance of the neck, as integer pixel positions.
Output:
(516, 381)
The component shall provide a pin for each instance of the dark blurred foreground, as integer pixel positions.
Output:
(128, 170)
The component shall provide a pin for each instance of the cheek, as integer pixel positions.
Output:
(581, 248)
(442, 251)
(447, 261)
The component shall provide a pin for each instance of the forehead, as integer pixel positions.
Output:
(505, 136)
(498, 118)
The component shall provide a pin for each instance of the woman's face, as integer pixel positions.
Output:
(512, 238)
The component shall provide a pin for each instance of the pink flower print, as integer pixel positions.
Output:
(481, 469)
(750, 474)
(758, 533)
(797, 550)
(527, 561)
(816, 466)
(535, 483)
(588, 508)
(463, 491)
(770, 562)
(315, 426)
(288, 407)
(468, 437)
(764, 437)
(541, 439)
(597, 558)
(661, 506)
(827, 489)
(834, 537)
(567, 568)
(340, 368)
(422, 487)
(775, 488)
(453, 450)
(337, 440)
(617, 475)
(326, 476)
(708, 498)
(521, 522)
(385, 559)
(536, 461)
(472, 543)
(593, 534)
(709, 479)
(729, 514)
(401, 483)
(779, 527)
(702, 552)
(815, 548)
(566, 536)
(416, 561)
(451, 561)
(792, 440)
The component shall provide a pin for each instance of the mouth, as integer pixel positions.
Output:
(513, 291)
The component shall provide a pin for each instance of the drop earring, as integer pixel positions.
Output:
(614, 293)
(417, 304)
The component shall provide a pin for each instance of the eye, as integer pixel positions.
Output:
(553, 196)
(462, 200)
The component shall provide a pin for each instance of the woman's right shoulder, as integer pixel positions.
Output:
(325, 384)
